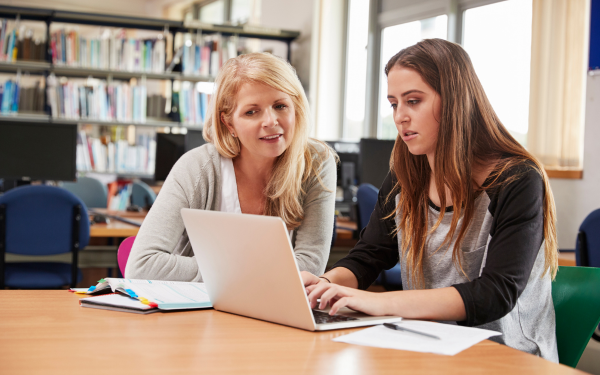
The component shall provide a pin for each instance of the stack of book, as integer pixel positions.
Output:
(206, 55)
(96, 100)
(192, 105)
(9, 97)
(118, 156)
(115, 52)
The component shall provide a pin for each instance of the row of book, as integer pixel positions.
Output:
(114, 52)
(14, 46)
(156, 107)
(116, 156)
(119, 195)
(206, 55)
(191, 104)
(31, 99)
(98, 100)
(8, 42)
(9, 97)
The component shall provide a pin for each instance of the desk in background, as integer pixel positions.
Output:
(48, 332)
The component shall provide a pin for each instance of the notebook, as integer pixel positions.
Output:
(144, 296)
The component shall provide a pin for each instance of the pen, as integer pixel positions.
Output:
(399, 328)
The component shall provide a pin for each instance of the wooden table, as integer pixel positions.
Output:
(567, 259)
(117, 228)
(47, 332)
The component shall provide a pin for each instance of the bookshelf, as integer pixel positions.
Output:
(169, 76)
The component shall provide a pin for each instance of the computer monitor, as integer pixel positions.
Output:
(347, 169)
(170, 147)
(374, 162)
(38, 151)
(193, 139)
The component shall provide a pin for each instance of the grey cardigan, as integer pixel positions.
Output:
(162, 251)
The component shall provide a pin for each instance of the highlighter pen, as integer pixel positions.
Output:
(399, 328)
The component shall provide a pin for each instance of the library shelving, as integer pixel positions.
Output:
(172, 75)
(50, 16)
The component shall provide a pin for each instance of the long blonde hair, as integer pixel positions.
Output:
(300, 161)
(470, 133)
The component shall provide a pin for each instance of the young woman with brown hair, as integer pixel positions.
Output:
(466, 210)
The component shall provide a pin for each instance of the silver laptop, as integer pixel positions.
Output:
(248, 265)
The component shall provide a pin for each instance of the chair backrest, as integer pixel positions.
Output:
(123, 253)
(142, 195)
(576, 297)
(40, 220)
(587, 247)
(366, 197)
(90, 190)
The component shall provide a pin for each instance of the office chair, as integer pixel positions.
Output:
(123, 253)
(587, 247)
(366, 197)
(576, 299)
(90, 190)
(41, 220)
(142, 195)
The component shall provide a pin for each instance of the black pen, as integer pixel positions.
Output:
(399, 328)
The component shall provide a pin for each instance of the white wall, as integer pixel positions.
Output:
(575, 199)
(291, 15)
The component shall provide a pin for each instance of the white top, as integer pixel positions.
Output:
(230, 201)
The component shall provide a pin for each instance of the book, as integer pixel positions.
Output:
(146, 296)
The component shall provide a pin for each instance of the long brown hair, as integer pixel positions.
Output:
(470, 134)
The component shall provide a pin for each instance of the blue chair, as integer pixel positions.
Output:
(366, 197)
(90, 190)
(41, 220)
(142, 195)
(587, 247)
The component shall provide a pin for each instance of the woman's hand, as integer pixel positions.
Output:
(309, 279)
(338, 296)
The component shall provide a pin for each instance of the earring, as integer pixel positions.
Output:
(233, 135)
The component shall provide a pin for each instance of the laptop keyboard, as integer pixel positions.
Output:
(323, 317)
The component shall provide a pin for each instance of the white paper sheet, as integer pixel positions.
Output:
(454, 339)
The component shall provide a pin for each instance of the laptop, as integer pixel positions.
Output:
(248, 267)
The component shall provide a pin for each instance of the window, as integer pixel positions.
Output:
(356, 69)
(498, 40)
(394, 39)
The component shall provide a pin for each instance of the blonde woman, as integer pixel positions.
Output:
(259, 160)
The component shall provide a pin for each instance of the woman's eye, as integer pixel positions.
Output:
(250, 113)
(281, 106)
(394, 105)
(413, 102)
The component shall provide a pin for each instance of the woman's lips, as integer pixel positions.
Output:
(409, 135)
(271, 138)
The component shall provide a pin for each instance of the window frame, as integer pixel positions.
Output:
(454, 9)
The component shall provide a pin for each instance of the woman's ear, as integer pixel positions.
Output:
(224, 121)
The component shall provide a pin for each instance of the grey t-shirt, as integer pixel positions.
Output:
(502, 255)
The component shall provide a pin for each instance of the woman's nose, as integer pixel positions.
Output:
(270, 118)
(400, 115)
